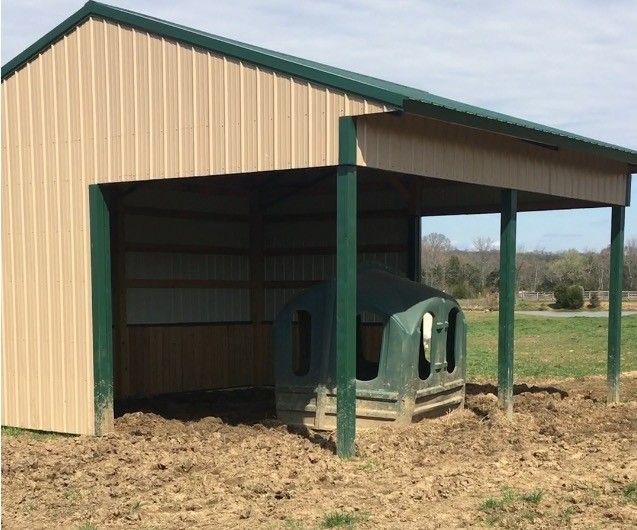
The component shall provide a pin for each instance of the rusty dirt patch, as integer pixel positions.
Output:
(567, 460)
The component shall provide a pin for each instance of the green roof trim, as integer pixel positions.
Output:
(392, 94)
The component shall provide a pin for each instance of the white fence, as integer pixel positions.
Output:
(603, 295)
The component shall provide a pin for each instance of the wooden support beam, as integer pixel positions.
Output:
(122, 347)
(327, 250)
(346, 264)
(188, 283)
(290, 284)
(329, 216)
(615, 301)
(185, 283)
(414, 244)
(186, 214)
(507, 300)
(172, 248)
(257, 289)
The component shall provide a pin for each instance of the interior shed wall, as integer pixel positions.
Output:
(178, 330)
(110, 104)
(431, 148)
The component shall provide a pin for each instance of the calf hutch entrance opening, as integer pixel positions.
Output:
(201, 267)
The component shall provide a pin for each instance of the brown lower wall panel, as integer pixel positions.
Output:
(172, 358)
(164, 359)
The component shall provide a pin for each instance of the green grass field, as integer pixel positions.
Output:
(548, 347)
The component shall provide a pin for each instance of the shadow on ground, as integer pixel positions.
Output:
(474, 389)
(242, 406)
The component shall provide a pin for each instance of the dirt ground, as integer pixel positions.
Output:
(566, 460)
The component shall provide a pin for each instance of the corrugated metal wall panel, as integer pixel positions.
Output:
(185, 305)
(432, 148)
(111, 104)
(307, 233)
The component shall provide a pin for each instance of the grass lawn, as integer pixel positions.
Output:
(548, 347)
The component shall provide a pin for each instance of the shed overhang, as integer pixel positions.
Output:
(440, 150)
(397, 96)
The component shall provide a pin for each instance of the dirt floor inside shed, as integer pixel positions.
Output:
(567, 460)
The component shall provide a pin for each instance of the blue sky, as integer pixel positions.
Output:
(571, 64)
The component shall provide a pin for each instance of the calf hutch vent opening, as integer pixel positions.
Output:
(410, 354)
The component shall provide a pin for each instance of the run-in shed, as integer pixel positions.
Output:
(165, 191)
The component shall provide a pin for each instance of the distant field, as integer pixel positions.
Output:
(548, 347)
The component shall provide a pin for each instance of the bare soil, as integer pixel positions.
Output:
(566, 460)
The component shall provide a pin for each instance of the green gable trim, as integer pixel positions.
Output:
(285, 64)
(391, 94)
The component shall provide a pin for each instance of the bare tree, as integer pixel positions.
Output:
(484, 248)
(435, 249)
(630, 264)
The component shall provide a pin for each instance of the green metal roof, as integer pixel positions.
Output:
(399, 96)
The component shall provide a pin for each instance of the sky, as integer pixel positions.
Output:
(571, 64)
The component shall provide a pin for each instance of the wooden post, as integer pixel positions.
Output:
(507, 300)
(615, 301)
(346, 263)
(261, 373)
(414, 231)
(414, 248)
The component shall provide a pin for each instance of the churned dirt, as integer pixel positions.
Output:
(566, 460)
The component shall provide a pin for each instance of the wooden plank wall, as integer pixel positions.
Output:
(181, 358)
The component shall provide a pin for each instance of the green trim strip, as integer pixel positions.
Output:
(391, 94)
(615, 301)
(102, 310)
(507, 299)
(346, 263)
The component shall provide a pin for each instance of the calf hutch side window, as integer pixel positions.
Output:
(369, 342)
(451, 352)
(424, 356)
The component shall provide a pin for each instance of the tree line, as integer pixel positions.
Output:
(474, 272)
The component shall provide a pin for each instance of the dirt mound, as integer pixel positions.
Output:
(567, 460)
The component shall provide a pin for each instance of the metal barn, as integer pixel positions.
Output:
(165, 191)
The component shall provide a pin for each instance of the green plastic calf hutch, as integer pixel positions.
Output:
(410, 358)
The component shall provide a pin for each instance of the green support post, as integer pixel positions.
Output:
(507, 300)
(615, 301)
(102, 309)
(346, 263)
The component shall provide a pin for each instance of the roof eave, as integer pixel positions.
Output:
(438, 112)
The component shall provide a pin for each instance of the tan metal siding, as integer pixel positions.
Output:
(111, 104)
(431, 148)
